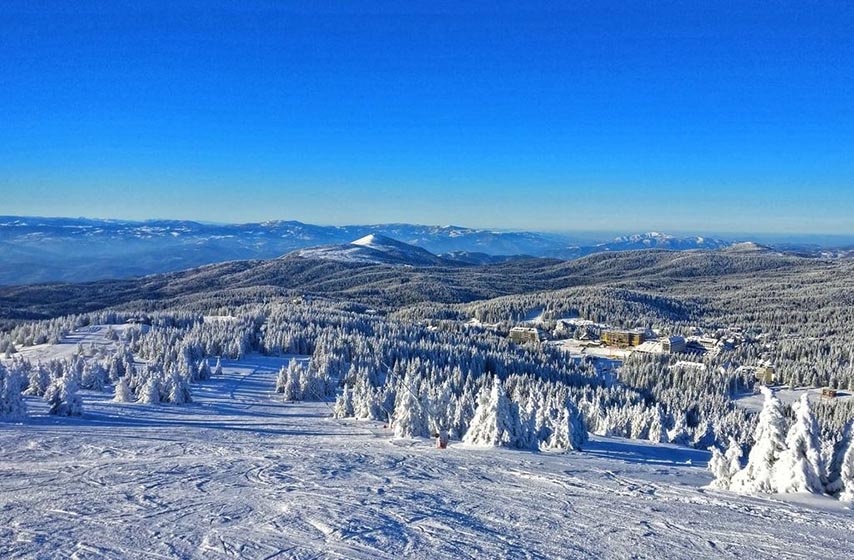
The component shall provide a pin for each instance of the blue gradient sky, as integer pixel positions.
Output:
(689, 116)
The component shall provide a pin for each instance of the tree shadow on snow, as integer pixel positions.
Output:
(632, 451)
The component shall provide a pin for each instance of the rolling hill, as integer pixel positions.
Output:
(375, 249)
(391, 286)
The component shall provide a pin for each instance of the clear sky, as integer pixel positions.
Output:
(621, 116)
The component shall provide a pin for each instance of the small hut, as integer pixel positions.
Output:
(828, 393)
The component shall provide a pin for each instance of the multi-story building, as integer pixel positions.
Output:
(621, 338)
(673, 344)
(520, 335)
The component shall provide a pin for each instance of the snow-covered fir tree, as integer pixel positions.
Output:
(63, 398)
(12, 404)
(835, 458)
(725, 465)
(93, 376)
(568, 432)
(204, 370)
(177, 389)
(38, 381)
(122, 392)
(289, 381)
(769, 443)
(410, 418)
(344, 404)
(800, 467)
(847, 474)
(150, 391)
(494, 423)
(680, 434)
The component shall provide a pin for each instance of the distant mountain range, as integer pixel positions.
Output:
(36, 249)
(649, 240)
(78, 249)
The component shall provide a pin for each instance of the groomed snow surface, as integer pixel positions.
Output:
(239, 473)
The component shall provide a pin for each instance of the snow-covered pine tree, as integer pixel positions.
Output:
(63, 398)
(464, 408)
(847, 473)
(800, 467)
(73, 400)
(410, 419)
(568, 432)
(361, 396)
(769, 442)
(123, 392)
(39, 380)
(493, 423)
(344, 404)
(204, 370)
(836, 459)
(438, 404)
(150, 391)
(720, 469)
(680, 434)
(93, 377)
(281, 380)
(311, 385)
(291, 386)
(725, 465)
(178, 389)
(734, 452)
(288, 381)
(53, 396)
(579, 434)
(12, 404)
(218, 367)
(657, 430)
(529, 434)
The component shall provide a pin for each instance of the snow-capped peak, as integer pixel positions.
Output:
(382, 243)
(371, 240)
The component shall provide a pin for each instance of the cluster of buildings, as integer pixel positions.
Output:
(588, 337)
(589, 334)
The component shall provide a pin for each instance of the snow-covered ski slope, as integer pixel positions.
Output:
(240, 474)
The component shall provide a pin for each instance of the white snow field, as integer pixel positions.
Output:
(89, 337)
(754, 401)
(240, 474)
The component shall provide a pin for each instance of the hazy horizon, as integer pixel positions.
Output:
(572, 235)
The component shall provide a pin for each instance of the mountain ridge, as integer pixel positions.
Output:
(45, 249)
(377, 284)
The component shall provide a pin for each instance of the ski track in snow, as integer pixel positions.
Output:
(240, 474)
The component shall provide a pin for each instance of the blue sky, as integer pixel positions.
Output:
(623, 116)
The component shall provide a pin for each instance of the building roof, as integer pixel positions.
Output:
(627, 331)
